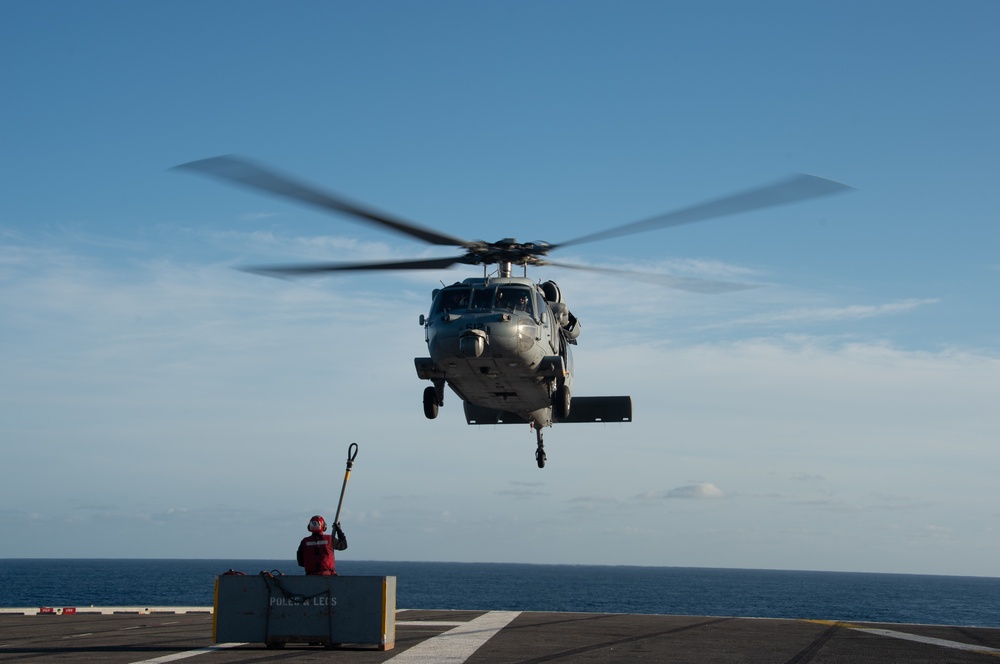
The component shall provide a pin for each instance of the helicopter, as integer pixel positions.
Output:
(502, 343)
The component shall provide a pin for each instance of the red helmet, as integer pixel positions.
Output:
(317, 524)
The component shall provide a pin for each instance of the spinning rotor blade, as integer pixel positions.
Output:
(796, 188)
(242, 172)
(689, 284)
(308, 269)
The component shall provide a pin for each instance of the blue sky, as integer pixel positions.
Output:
(155, 402)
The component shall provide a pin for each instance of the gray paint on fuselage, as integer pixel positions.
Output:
(520, 333)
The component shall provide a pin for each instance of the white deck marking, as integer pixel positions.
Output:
(189, 653)
(457, 644)
(944, 643)
(929, 640)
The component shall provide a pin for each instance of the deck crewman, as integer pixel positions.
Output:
(315, 552)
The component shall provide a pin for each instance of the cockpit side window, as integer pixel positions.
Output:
(452, 299)
(540, 305)
(514, 299)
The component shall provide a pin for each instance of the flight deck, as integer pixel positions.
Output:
(156, 635)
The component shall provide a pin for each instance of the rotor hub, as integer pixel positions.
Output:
(507, 250)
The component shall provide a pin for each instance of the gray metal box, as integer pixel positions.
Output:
(327, 610)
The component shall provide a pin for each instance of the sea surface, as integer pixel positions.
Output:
(895, 598)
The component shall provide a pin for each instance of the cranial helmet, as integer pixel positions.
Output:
(317, 524)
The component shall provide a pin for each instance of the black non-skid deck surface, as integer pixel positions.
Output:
(423, 636)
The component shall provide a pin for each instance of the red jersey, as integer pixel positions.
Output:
(315, 553)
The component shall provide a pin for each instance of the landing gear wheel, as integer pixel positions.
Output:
(540, 452)
(561, 402)
(430, 402)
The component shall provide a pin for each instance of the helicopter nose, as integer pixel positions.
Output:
(472, 343)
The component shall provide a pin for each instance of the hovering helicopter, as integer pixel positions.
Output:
(502, 342)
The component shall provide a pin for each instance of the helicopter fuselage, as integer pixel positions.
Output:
(501, 344)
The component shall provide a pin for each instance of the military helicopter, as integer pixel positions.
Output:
(502, 342)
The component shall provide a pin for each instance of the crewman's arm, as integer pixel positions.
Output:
(339, 539)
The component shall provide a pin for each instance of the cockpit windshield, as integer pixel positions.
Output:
(483, 298)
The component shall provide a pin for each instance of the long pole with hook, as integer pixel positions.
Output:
(352, 453)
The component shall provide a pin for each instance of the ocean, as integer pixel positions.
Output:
(894, 598)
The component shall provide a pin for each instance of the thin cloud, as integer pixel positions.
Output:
(701, 268)
(808, 315)
(671, 278)
(699, 491)
(603, 500)
(257, 216)
(522, 494)
(307, 247)
(806, 477)
(98, 506)
(165, 340)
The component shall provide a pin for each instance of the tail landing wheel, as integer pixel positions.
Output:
(540, 452)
